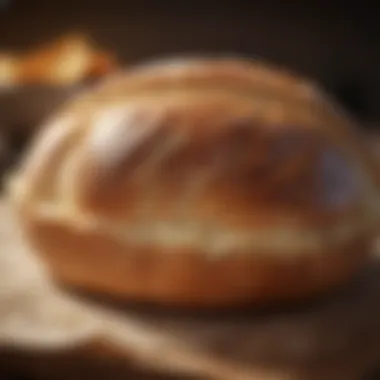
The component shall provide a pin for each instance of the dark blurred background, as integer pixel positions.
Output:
(337, 43)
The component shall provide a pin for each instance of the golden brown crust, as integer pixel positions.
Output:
(98, 263)
(205, 165)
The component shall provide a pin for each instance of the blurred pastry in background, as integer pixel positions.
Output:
(33, 84)
(8, 70)
(68, 60)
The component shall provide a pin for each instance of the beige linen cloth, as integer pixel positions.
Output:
(337, 338)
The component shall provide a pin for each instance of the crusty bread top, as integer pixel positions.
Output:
(201, 151)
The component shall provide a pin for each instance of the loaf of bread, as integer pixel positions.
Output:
(200, 182)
